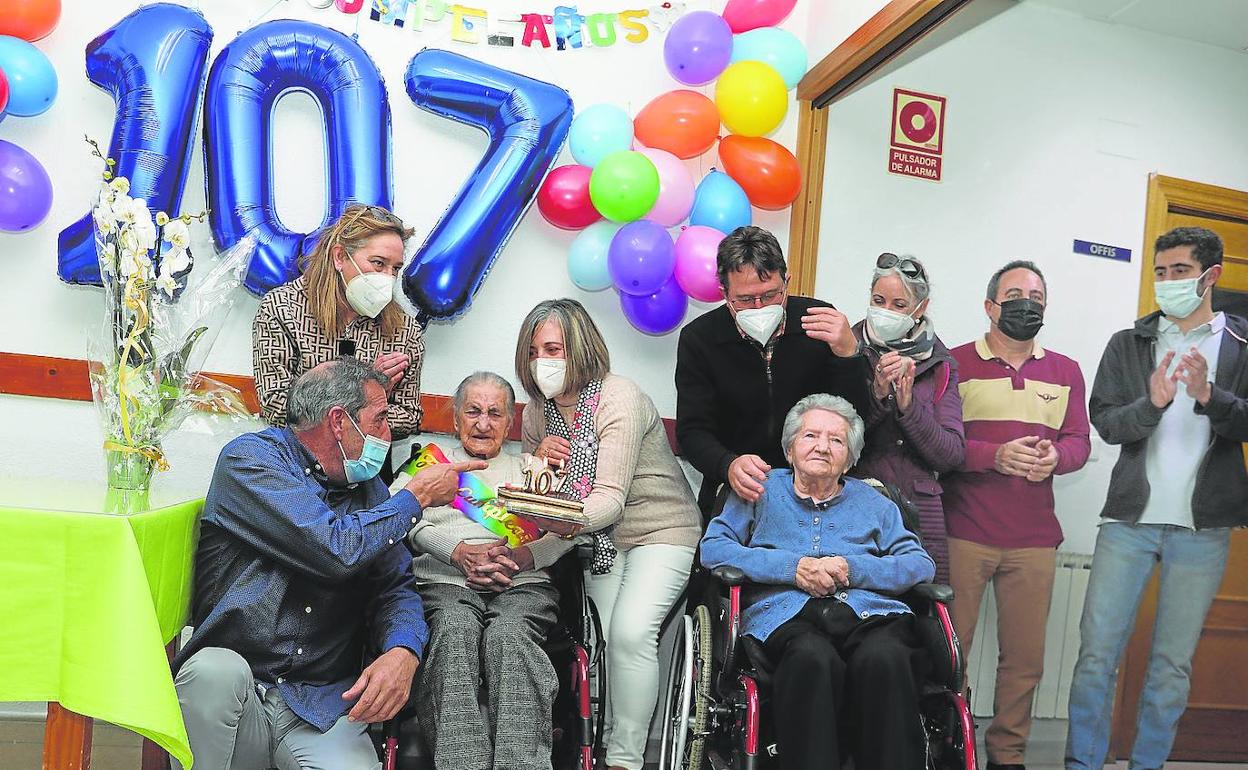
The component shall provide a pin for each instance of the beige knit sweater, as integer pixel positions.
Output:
(638, 486)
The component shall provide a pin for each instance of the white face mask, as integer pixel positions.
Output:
(760, 322)
(368, 293)
(1179, 299)
(888, 325)
(551, 375)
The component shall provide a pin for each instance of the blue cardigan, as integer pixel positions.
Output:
(767, 538)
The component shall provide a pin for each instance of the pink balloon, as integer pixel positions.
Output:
(696, 249)
(745, 15)
(675, 188)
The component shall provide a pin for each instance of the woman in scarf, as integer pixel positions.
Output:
(607, 435)
(914, 416)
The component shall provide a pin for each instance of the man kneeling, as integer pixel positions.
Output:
(300, 558)
(490, 609)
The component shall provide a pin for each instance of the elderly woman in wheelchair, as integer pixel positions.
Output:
(489, 608)
(826, 558)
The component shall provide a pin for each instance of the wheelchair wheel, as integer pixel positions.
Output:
(686, 711)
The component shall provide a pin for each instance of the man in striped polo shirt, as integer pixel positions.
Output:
(1025, 419)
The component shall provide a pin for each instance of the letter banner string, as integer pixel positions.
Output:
(479, 502)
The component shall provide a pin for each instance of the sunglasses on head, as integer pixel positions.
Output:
(908, 267)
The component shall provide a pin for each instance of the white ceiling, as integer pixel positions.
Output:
(1223, 23)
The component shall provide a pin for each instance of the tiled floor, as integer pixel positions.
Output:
(21, 736)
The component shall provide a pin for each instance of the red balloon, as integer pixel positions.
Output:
(745, 15)
(684, 123)
(4, 92)
(767, 171)
(29, 19)
(564, 198)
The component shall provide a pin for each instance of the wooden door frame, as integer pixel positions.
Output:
(1166, 194)
(896, 27)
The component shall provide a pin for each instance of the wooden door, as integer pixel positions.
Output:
(1216, 720)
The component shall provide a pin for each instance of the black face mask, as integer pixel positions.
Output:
(1020, 319)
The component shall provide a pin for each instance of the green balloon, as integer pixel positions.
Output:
(624, 186)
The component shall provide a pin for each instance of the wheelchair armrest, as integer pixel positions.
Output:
(933, 592)
(729, 576)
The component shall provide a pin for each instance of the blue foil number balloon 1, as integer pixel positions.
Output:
(248, 77)
(153, 62)
(527, 121)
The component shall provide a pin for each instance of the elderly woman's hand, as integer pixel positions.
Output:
(813, 577)
(469, 557)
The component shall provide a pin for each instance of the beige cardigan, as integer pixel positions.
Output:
(638, 485)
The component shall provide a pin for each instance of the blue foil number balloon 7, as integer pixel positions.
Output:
(153, 62)
(527, 121)
(248, 77)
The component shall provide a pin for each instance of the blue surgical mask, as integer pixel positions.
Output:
(372, 457)
(1179, 299)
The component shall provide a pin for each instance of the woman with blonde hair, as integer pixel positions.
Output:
(607, 435)
(342, 304)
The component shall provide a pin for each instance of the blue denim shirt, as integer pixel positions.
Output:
(294, 572)
(766, 539)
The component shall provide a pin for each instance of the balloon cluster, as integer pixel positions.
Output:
(27, 88)
(630, 182)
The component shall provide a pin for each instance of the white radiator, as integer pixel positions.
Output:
(1061, 646)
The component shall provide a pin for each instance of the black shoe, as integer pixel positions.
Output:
(995, 766)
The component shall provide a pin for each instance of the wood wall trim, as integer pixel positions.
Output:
(23, 374)
(812, 145)
(881, 30)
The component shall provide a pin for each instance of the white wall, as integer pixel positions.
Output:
(1054, 123)
(831, 21)
(431, 159)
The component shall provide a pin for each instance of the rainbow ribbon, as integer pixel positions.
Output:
(478, 501)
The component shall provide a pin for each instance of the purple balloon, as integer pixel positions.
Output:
(25, 189)
(641, 258)
(698, 47)
(657, 313)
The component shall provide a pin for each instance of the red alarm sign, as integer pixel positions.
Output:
(917, 135)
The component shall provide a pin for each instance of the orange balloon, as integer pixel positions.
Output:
(684, 123)
(29, 19)
(767, 171)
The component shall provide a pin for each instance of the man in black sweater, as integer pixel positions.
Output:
(742, 366)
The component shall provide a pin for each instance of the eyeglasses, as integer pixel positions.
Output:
(908, 267)
(491, 416)
(358, 211)
(744, 301)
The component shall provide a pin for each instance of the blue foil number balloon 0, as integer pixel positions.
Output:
(153, 62)
(527, 121)
(248, 77)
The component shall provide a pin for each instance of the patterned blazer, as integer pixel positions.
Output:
(287, 341)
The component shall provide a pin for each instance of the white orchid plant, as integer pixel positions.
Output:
(162, 316)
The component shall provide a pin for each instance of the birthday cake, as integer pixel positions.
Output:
(538, 502)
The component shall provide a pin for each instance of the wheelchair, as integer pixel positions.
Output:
(576, 650)
(718, 682)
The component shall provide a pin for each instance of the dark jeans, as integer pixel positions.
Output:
(837, 672)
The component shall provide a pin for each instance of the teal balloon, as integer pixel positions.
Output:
(587, 257)
(777, 47)
(720, 203)
(598, 131)
(32, 80)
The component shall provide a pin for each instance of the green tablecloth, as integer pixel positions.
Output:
(88, 601)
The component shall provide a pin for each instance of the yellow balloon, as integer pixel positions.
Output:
(751, 97)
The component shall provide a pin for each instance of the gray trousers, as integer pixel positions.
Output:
(232, 727)
(490, 641)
